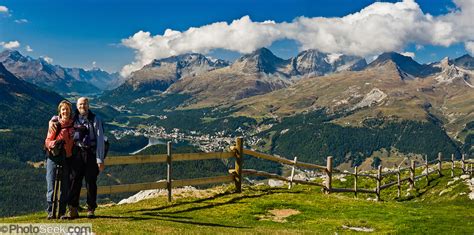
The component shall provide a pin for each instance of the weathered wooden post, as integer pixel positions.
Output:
(463, 164)
(427, 170)
(440, 162)
(329, 175)
(399, 186)
(412, 174)
(379, 181)
(168, 171)
(452, 165)
(355, 181)
(238, 164)
(292, 173)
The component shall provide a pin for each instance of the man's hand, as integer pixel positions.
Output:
(101, 166)
(53, 125)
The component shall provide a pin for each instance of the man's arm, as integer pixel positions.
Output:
(53, 124)
(99, 143)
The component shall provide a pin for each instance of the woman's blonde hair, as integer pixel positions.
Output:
(67, 104)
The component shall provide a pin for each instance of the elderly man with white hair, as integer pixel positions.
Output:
(87, 158)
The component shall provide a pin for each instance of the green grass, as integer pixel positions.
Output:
(233, 213)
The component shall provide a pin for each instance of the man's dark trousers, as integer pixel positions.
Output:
(84, 165)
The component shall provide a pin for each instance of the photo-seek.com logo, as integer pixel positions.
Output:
(83, 228)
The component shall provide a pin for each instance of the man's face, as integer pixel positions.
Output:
(82, 106)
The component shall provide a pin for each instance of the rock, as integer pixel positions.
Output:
(152, 193)
(465, 177)
(275, 183)
(358, 229)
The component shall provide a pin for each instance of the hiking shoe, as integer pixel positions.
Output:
(72, 213)
(50, 216)
(90, 214)
(64, 217)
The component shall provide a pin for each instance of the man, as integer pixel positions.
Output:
(87, 159)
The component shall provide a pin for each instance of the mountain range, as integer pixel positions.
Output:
(256, 73)
(260, 84)
(57, 78)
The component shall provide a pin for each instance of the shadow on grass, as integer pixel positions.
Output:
(433, 182)
(119, 217)
(260, 193)
(185, 202)
(200, 223)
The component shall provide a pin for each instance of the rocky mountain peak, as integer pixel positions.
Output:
(261, 60)
(314, 62)
(405, 63)
(466, 61)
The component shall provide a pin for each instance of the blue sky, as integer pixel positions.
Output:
(76, 33)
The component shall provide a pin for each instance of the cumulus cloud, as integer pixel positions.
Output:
(10, 45)
(470, 47)
(48, 60)
(409, 54)
(379, 27)
(21, 21)
(3, 9)
(28, 48)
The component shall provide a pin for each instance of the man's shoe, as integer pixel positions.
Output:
(72, 213)
(90, 214)
(64, 217)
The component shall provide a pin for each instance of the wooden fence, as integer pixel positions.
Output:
(235, 175)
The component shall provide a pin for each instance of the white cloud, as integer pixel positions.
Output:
(380, 27)
(49, 60)
(21, 21)
(409, 54)
(10, 45)
(94, 64)
(28, 48)
(469, 47)
(3, 9)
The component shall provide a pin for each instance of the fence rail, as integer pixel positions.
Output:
(235, 175)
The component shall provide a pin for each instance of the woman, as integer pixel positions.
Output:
(61, 139)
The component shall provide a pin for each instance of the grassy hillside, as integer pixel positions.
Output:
(223, 212)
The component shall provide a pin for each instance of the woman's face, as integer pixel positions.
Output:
(65, 112)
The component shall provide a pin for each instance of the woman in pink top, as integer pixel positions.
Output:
(63, 137)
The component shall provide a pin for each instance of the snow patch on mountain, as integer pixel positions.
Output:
(332, 58)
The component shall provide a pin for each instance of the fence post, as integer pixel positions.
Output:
(427, 170)
(355, 181)
(238, 164)
(168, 171)
(292, 173)
(399, 186)
(440, 162)
(463, 164)
(412, 174)
(379, 181)
(452, 165)
(329, 175)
